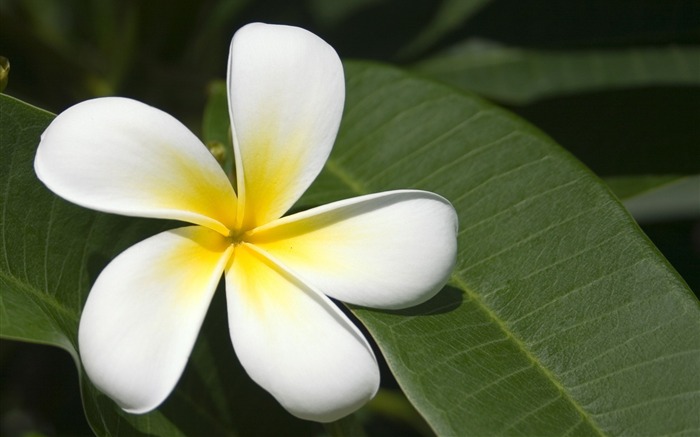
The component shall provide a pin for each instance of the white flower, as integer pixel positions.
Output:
(387, 250)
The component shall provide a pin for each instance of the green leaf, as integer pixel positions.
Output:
(519, 76)
(560, 318)
(216, 127)
(52, 251)
(4, 72)
(348, 426)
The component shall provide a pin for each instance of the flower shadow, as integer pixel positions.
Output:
(448, 299)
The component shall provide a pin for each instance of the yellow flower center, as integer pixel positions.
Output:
(237, 236)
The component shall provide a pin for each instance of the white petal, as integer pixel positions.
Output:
(122, 156)
(286, 95)
(294, 342)
(387, 250)
(144, 312)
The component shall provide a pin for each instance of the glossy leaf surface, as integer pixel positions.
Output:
(560, 318)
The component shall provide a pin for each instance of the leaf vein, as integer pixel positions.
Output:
(521, 345)
(523, 417)
(518, 204)
(427, 145)
(468, 155)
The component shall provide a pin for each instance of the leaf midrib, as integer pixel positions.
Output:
(39, 295)
(356, 186)
(458, 281)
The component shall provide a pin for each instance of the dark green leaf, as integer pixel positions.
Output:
(348, 426)
(560, 318)
(216, 128)
(519, 75)
(4, 72)
(51, 253)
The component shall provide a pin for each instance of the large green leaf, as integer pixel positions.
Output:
(52, 251)
(561, 318)
(516, 75)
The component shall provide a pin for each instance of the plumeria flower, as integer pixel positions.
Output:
(386, 250)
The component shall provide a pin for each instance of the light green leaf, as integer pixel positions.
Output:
(216, 129)
(4, 72)
(561, 318)
(519, 76)
(51, 251)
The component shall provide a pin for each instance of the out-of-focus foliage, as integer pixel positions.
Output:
(4, 72)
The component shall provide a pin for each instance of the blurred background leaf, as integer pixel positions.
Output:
(659, 199)
(627, 187)
(216, 128)
(516, 76)
(4, 72)
(450, 16)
